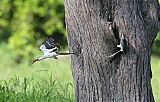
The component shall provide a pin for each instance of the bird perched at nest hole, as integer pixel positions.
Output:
(121, 46)
(49, 49)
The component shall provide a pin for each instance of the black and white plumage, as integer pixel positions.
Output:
(49, 49)
(121, 46)
(50, 43)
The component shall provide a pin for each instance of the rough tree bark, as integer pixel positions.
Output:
(92, 37)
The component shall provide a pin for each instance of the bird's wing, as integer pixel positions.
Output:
(50, 43)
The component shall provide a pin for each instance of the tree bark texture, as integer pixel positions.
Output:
(94, 30)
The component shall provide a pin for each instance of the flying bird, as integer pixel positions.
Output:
(50, 50)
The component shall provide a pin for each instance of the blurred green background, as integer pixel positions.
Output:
(24, 24)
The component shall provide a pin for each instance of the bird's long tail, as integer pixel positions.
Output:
(66, 53)
(113, 54)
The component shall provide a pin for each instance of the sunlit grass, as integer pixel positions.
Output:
(60, 67)
(47, 80)
(155, 78)
(35, 90)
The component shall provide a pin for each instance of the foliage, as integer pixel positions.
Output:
(24, 23)
(156, 45)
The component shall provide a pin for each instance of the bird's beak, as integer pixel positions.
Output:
(34, 60)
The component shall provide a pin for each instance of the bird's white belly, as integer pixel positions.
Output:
(50, 55)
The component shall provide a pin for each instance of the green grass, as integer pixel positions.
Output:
(60, 68)
(35, 90)
(155, 78)
(46, 81)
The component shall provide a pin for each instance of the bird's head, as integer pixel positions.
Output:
(35, 60)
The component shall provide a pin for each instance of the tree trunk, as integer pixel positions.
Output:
(94, 30)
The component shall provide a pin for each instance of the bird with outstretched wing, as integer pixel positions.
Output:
(50, 50)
